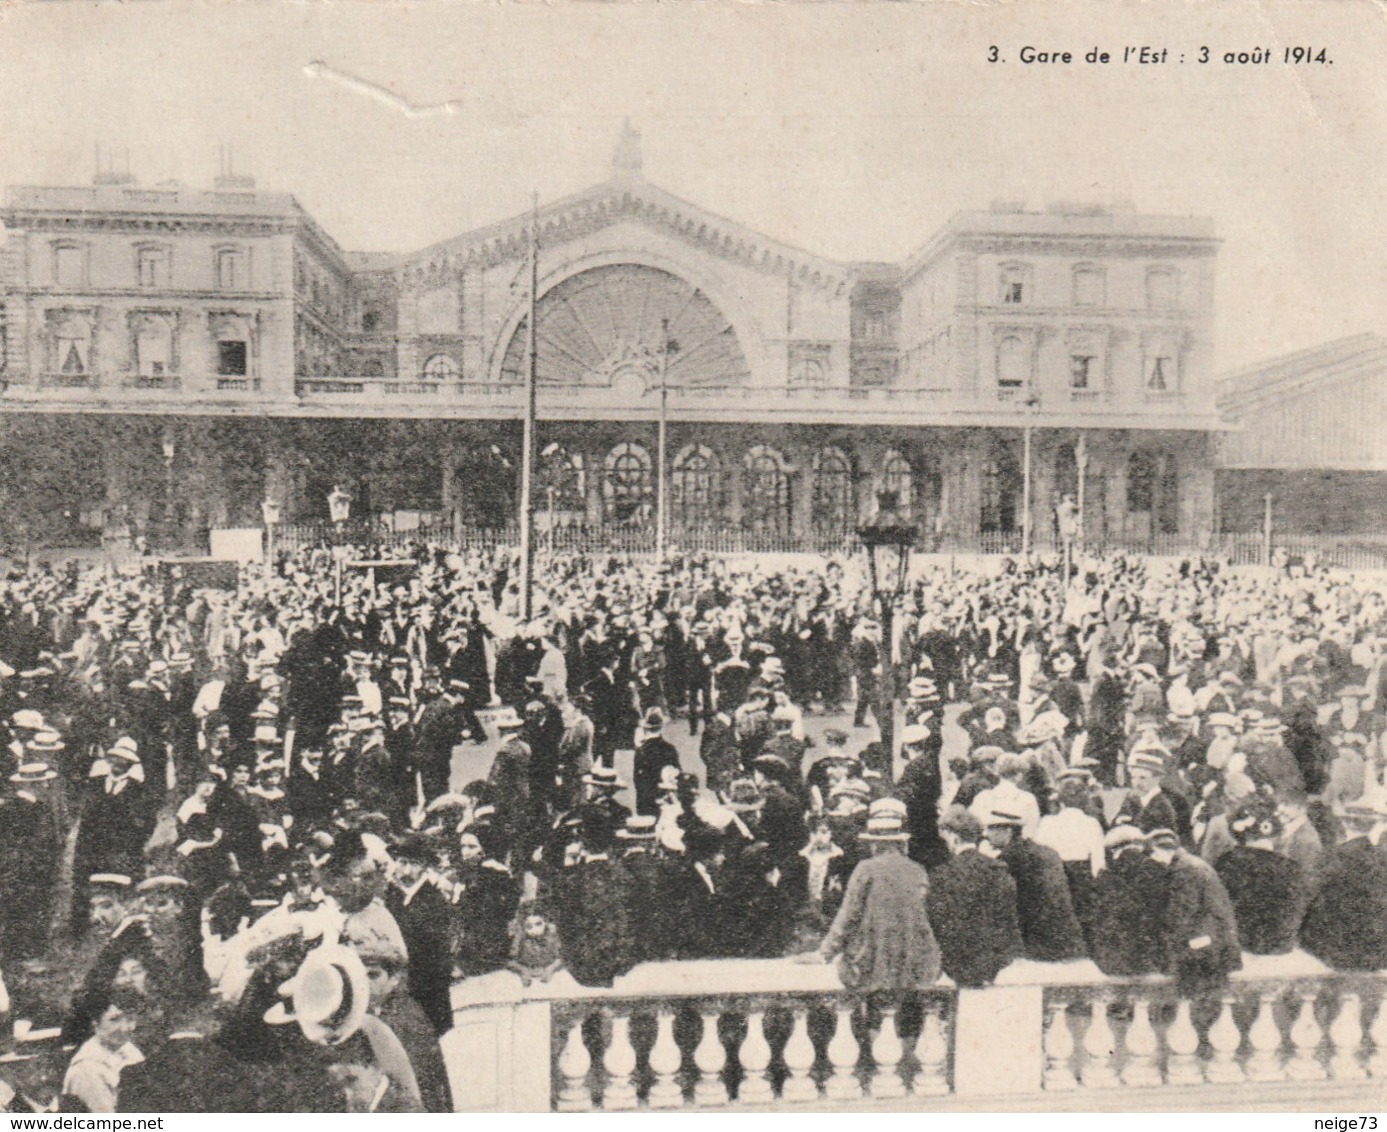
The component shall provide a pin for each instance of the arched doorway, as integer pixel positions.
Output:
(695, 489)
(628, 487)
(766, 492)
(833, 506)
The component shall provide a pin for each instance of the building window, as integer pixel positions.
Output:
(1161, 372)
(231, 270)
(1162, 288)
(153, 346)
(231, 359)
(899, 477)
(832, 505)
(765, 491)
(627, 488)
(696, 488)
(1080, 370)
(69, 335)
(1015, 284)
(1089, 287)
(1013, 362)
(153, 267)
(441, 367)
(69, 265)
(370, 320)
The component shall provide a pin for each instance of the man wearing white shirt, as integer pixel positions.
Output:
(1008, 796)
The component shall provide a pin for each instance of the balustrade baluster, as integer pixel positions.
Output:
(665, 1060)
(1143, 1047)
(932, 1052)
(1377, 1063)
(843, 1085)
(1182, 1040)
(1305, 1037)
(1225, 1037)
(574, 1063)
(620, 1064)
(1346, 1040)
(755, 1057)
(1059, 1050)
(1264, 1036)
(710, 1058)
(1100, 1046)
(886, 1052)
(799, 1061)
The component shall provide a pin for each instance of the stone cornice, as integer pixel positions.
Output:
(580, 215)
(121, 222)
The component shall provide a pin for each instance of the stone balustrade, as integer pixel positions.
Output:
(738, 1034)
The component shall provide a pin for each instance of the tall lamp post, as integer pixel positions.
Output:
(269, 511)
(339, 505)
(667, 347)
(170, 450)
(888, 542)
(1031, 403)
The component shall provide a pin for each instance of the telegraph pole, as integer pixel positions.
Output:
(527, 441)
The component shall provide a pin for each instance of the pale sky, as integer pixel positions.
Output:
(852, 130)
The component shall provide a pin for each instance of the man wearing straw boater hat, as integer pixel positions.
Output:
(881, 934)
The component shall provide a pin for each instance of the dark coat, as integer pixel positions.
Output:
(484, 910)
(882, 931)
(652, 757)
(1048, 925)
(646, 881)
(593, 927)
(1346, 924)
(424, 923)
(1129, 899)
(972, 909)
(1199, 907)
(1270, 893)
(919, 788)
(1159, 813)
(407, 1022)
(718, 750)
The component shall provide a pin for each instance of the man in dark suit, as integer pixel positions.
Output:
(920, 786)
(1147, 806)
(1346, 924)
(609, 705)
(718, 750)
(972, 906)
(1129, 899)
(1201, 931)
(1044, 906)
(652, 756)
(423, 913)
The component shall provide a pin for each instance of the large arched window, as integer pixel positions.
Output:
(899, 477)
(695, 495)
(765, 491)
(833, 507)
(441, 367)
(1001, 492)
(562, 479)
(627, 487)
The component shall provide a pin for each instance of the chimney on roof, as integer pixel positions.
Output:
(626, 161)
(227, 179)
(108, 174)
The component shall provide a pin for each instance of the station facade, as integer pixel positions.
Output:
(171, 357)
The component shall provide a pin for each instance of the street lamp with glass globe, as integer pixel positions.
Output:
(888, 541)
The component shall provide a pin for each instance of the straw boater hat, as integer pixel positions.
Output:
(885, 821)
(507, 720)
(915, 733)
(604, 777)
(328, 996)
(1146, 760)
(1004, 818)
(30, 773)
(124, 748)
(639, 827)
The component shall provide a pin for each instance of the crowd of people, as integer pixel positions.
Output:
(237, 871)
